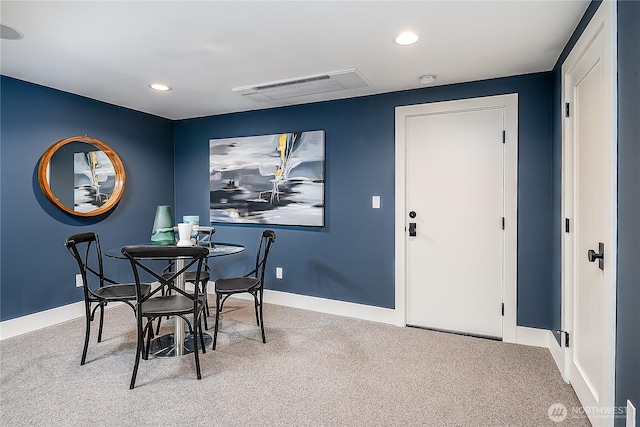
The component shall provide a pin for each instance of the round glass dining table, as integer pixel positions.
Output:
(165, 345)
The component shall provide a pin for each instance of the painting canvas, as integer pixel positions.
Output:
(269, 179)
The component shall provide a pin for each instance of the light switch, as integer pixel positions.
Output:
(375, 202)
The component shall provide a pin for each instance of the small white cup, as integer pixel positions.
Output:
(184, 233)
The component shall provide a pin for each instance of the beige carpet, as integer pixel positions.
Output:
(314, 370)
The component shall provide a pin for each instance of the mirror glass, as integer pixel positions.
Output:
(82, 176)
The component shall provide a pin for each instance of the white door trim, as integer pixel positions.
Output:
(510, 103)
(603, 21)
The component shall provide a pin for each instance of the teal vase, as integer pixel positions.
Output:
(162, 233)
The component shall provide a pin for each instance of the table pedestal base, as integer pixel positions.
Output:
(164, 346)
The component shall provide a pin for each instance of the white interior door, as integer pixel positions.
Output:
(455, 187)
(588, 190)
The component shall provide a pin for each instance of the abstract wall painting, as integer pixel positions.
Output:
(269, 179)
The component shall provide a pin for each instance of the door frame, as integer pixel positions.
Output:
(602, 21)
(510, 104)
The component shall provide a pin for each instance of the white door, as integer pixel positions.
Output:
(588, 205)
(455, 169)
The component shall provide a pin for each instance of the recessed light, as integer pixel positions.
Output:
(8, 33)
(159, 86)
(428, 78)
(406, 38)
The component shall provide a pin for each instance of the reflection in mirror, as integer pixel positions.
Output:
(94, 180)
(82, 176)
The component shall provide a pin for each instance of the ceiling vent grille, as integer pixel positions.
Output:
(302, 86)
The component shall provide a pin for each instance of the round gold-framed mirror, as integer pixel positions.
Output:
(82, 176)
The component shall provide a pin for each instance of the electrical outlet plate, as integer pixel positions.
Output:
(78, 280)
(375, 202)
(278, 272)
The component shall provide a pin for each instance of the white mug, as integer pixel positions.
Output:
(184, 232)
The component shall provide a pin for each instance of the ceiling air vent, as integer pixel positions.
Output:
(308, 85)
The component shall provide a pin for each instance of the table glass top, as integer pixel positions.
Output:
(218, 249)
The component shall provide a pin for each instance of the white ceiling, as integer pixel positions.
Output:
(112, 50)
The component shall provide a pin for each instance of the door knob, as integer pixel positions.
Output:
(592, 255)
(412, 214)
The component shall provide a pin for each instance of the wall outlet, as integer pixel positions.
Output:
(78, 280)
(631, 414)
(375, 202)
(278, 272)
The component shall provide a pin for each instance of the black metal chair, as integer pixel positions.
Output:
(174, 302)
(98, 289)
(204, 239)
(252, 283)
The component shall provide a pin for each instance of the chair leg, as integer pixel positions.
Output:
(149, 334)
(139, 348)
(187, 322)
(162, 293)
(204, 349)
(135, 369)
(206, 306)
(158, 328)
(195, 346)
(101, 322)
(86, 337)
(255, 303)
(205, 311)
(215, 330)
(264, 341)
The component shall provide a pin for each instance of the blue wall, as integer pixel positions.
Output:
(628, 298)
(37, 273)
(352, 258)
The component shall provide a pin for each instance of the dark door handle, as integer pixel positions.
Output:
(592, 255)
(412, 229)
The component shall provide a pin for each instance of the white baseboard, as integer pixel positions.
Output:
(535, 337)
(322, 305)
(33, 322)
(542, 338)
(532, 336)
(557, 353)
(524, 336)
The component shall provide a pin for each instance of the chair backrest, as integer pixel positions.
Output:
(205, 235)
(144, 257)
(204, 239)
(264, 247)
(85, 248)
